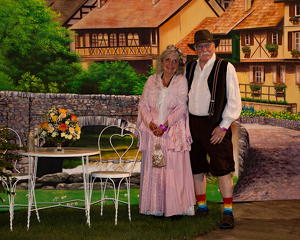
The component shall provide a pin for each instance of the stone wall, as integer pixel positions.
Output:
(24, 111)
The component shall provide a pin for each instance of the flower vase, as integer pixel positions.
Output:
(59, 148)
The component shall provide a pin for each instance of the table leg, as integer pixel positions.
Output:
(85, 175)
(31, 185)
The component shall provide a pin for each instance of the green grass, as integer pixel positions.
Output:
(66, 223)
(71, 224)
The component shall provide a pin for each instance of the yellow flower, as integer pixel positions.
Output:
(50, 129)
(77, 128)
(67, 122)
(63, 134)
(78, 136)
(53, 134)
(71, 130)
(54, 118)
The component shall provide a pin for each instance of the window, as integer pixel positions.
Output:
(113, 40)
(153, 37)
(247, 39)
(133, 40)
(256, 74)
(225, 46)
(122, 39)
(297, 10)
(94, 40)
(102, 40)
(274, 38)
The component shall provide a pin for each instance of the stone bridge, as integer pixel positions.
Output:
(24, 111)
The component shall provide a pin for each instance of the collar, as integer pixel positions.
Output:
(210, 61)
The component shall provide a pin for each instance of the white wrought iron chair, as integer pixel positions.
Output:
(10, 184)
(118, 172)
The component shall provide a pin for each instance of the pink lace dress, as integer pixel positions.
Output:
(168, 190)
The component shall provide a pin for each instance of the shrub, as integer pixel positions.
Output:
(279, 86)
(271, 46)
(272, 114)
(295, 51)
(246, 48)
(255, 86)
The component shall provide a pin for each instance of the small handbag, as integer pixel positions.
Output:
(158, 159)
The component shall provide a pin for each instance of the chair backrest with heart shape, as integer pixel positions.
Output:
(122, 148)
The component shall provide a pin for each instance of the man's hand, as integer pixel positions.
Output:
(217, 135)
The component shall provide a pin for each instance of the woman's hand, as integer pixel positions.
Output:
(152, 126)
(158, 132)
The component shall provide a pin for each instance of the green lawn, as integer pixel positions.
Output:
(65, 223)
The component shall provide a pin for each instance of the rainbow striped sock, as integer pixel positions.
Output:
(227, 205)
(201, 200)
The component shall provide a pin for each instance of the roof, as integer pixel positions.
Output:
(262, 14)
(205, 24)
(66, 8)
(130, 14)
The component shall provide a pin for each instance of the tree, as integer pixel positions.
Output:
(32, 41)
(116, 78)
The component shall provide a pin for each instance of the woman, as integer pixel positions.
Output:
(163, 118)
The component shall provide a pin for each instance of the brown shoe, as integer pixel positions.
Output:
(199, 213)
(227, 222)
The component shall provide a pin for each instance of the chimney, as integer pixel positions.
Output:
(248, 4)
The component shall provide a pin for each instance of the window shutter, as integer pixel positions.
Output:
(251, 39)
(262, 74)
(298, 74)
(279, 38)
(290, 41)
(274, 71)
(269, 38)
(292, 9)
(283, 73)
(243, 36)
(251, 80)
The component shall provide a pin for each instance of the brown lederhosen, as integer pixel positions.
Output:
(221, 155)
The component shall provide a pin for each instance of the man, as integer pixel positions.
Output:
(214, 103)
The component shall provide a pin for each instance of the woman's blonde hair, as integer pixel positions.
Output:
(166, 53)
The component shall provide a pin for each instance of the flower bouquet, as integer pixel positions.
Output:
(58, 127)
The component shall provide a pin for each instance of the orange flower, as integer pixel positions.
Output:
(45, 125)
(61, 110)
(73, 117)
(62, 127)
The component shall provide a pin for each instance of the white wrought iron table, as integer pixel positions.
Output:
(84, 153)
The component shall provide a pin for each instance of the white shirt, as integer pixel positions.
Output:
(199, 95)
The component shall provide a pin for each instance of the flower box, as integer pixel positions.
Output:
(272, 48)
(294, 20)
(295, 53)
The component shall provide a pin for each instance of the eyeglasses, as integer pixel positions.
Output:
(174, 61)
(200, 47)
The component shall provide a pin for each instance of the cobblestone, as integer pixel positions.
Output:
(273, 166)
